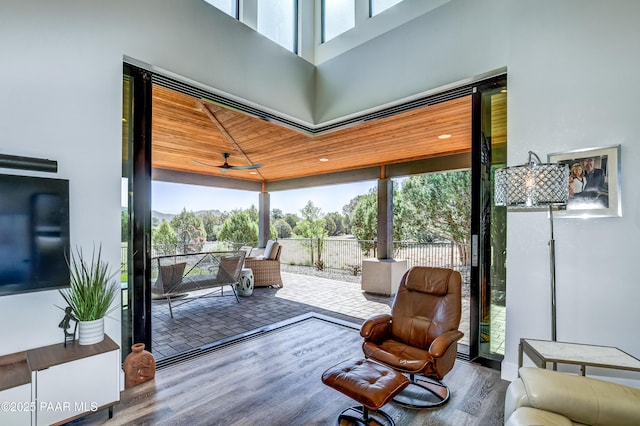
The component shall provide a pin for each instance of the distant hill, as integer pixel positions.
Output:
(214, 212)
(158, 217)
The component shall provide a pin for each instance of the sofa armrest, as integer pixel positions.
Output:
(527, 416)
(580, 399)
(515, 397)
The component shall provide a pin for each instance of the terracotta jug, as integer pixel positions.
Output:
(139, 366)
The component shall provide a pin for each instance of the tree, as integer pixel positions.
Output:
(240, 227)
(312, 227)
(212, 224)
(443, 201)
(124, 225)
(364, 220)
(283, 229)
(330, 225)
(346, 213)
(348, 208)
(292, 220)
(253, 213)
(335, 224)
(276, 214)
(164, 239)
(189, 230)
(273, 232)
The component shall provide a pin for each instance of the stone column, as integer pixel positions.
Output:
(382, 275)
(264, 218)
(385, 218)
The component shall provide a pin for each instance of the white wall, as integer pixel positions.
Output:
(366, 28)
(455, 42)
(573, 84)
(61, 98)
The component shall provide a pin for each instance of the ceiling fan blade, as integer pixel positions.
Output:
(203, 164)
(250, 167)
(226, 166)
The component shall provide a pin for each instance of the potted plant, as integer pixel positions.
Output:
(92, 290)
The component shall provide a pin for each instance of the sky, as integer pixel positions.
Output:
(171, 198)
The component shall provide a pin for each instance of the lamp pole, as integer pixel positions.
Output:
(552, 263)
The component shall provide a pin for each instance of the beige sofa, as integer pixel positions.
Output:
(546, 397)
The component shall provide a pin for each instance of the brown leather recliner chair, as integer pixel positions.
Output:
(420, 335)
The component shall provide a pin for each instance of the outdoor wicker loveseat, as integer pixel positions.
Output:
(178, 274)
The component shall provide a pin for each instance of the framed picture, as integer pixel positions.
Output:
(594, 181)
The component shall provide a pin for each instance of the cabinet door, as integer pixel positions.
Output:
(76, 387)
(16, 406)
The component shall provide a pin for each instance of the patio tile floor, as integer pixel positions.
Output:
(209, 319)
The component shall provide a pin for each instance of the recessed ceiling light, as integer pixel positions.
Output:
(445, 136)
(324, 160)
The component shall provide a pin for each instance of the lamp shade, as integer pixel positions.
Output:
(532, 185)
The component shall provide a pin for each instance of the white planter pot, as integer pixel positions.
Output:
(91, 332)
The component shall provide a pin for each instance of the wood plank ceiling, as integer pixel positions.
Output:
(186, 130)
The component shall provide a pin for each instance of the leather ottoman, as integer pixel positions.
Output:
(369, 383)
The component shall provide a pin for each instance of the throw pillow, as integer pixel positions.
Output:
(274, 251)
(268, 249)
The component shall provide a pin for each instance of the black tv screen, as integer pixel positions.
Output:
(34, 234)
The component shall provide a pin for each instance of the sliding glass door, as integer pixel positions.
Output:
(488, 227)
(486, 314)
(136, 208)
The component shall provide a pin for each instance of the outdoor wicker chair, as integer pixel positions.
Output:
(266, 272)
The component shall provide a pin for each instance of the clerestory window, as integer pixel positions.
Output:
(338, 16)
(278, 20)
(377, 6)
(230, 7)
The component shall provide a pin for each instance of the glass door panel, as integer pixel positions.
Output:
(489, 227)
(136, 208)
(126, 197)
(496, 291)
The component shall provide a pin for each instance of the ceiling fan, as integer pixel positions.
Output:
(226, 166)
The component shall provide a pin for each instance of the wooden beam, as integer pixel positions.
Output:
(349, 176)
(430, 165)
(175, 176)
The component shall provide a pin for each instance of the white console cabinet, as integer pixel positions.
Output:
(17, 405)
(54, 384)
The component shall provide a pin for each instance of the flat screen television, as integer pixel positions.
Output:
(34, 234)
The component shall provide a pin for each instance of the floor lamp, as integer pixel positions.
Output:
(535, 186)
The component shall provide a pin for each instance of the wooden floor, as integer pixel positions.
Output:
(274, 379)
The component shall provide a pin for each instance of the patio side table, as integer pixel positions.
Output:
(542, 352)
(245, 287)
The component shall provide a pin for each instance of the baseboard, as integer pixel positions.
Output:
(509, 371)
